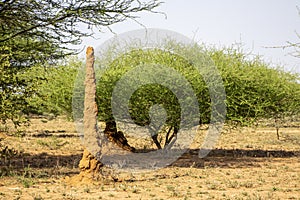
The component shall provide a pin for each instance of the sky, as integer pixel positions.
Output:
(258, 25)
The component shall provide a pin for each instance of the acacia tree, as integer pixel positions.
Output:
(40, 32)
(169, 92)
(254, 90)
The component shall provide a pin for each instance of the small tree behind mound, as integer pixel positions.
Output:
(143, 99)
(254, 90)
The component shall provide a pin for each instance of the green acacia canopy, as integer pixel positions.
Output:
(254, 90)
(151, 94)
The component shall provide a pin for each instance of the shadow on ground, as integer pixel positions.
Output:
(68, 164)
(231, 158)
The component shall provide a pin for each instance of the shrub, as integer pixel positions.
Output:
(255, 90)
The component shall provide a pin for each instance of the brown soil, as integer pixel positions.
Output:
(247, 163)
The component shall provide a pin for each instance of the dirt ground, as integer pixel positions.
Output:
(247, 163)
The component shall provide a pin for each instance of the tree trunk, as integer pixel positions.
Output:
(116, 136)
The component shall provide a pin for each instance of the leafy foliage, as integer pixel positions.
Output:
(55, 92)
(15, 89)
(40, 33)
(253, 89)
(57, 22)
(171, 93)
(150, 94)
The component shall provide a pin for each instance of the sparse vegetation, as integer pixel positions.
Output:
(222, 176)
(37, 161)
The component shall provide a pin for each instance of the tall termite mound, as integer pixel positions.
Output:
(90, 167)
(88, 162)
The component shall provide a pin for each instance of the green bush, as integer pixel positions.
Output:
(253, 89)
(55, 91)
(15, 88)
(149, 94)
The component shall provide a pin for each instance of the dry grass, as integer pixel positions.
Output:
(248, 163)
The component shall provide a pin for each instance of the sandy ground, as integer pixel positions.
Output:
(247, 163)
